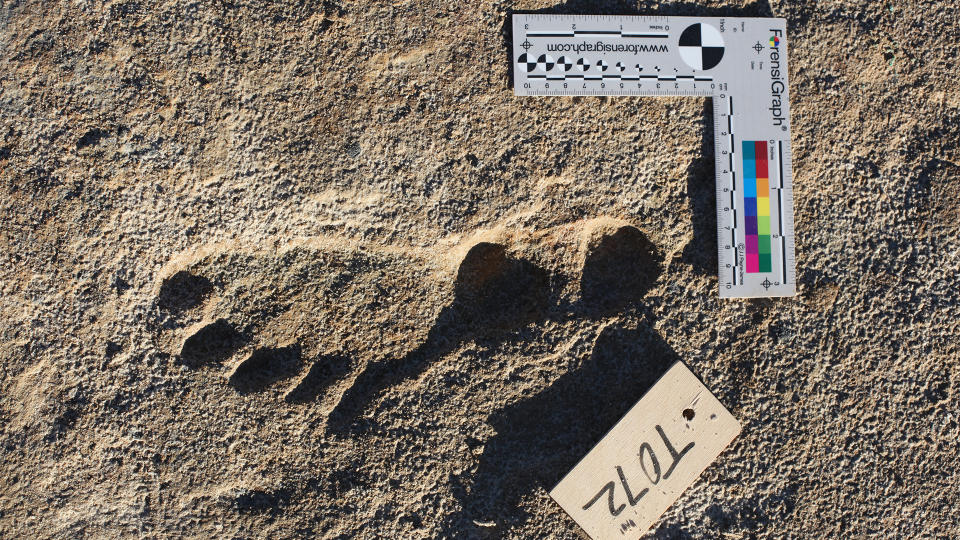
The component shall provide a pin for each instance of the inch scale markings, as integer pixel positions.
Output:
(741, 63)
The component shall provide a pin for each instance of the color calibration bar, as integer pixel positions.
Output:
(756, 199)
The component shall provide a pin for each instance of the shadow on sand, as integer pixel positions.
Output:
(540, 439)
(494, 294)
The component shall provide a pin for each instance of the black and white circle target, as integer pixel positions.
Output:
(527, 63)
(544, 62)
(701, 46)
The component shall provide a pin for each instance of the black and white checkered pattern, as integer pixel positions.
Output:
(527, 64)
(602, 65)
(621, 67)
(583, 64)
(545, 62)
(701, 46)
(565, 62)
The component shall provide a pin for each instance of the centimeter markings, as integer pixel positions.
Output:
(623, 92)
(783, 238)
(733, 189)
(605, 86)
(721, 120)
(597, 33)
(785, 200)
(722, 237)
(616, 77)
(593, 18)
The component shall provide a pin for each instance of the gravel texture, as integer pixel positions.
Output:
(290, 269)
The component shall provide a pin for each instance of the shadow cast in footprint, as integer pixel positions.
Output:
(266, 367)
(494, 294)
(211, 344)
(618, 270)
(324, 371)
(183, 291)
(538, 440)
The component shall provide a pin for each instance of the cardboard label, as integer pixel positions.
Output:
(642, 465)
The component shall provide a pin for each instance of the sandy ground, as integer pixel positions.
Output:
(310, 269)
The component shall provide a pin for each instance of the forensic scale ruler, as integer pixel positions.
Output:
(739, 62)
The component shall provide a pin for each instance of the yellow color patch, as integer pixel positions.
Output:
(763, 206)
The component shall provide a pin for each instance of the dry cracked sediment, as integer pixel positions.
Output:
(276, 269)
